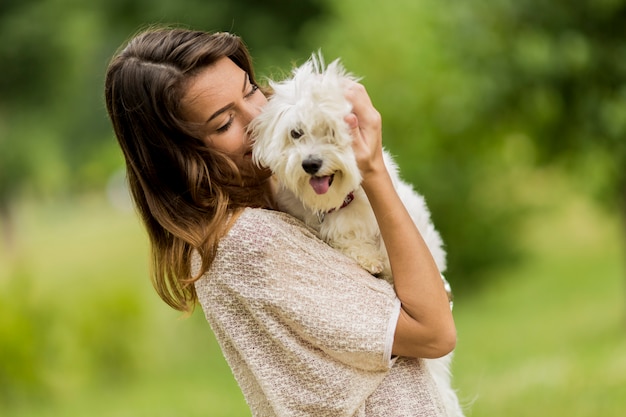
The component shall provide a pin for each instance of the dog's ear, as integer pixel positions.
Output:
(267, 132)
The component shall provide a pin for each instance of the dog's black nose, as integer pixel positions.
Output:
(312, 165)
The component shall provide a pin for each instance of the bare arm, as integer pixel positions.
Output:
(425, 326)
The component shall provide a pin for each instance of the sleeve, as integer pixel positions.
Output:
(296, 285)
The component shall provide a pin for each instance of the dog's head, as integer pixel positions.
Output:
(301, 135)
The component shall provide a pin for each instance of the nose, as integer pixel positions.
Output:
(312, 165)
(250, 112)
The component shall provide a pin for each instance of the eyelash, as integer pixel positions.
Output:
(254, 89)
(224, 128)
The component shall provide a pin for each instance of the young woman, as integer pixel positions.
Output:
(306, 331)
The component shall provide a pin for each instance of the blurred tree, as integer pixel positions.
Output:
(473, 94)
(559, 78)
(54, 133)
(27, 64)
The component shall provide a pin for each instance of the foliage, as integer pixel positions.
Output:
(473, 94)
(549, 338)
(54, 133)
(67, 319)
(559, 76)
(22, 334)
(79, 319)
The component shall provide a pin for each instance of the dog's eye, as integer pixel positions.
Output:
(296, 133)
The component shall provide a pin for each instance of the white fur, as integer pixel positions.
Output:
(304, 122)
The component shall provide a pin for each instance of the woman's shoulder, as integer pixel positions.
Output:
(267, 225)
(278, 237)
(262, 216)
(252, 235)
(262, 231)
(254, 215)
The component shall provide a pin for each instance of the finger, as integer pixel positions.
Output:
(352, 121)
(354, 129)
(358, 97)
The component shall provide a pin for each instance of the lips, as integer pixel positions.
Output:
(321, 184)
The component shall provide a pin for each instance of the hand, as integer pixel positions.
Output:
(366, 129)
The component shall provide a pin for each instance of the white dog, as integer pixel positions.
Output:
(302, 137)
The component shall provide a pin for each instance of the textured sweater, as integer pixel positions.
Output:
(305, 330)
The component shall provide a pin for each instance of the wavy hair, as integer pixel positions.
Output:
(187, 194)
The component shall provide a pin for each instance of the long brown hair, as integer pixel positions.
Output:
(184, 191)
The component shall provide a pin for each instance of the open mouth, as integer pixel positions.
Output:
(321, 184)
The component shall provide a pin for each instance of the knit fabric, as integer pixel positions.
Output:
(305, 330)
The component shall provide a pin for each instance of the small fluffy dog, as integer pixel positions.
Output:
(302, 137)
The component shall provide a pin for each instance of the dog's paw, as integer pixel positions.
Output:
(374, 267)
(370, 258)
(367, 253)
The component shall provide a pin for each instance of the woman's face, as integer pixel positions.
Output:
(223, 101)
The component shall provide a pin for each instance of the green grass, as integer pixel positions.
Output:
(549, 339)
(100, 340)
(83, 333)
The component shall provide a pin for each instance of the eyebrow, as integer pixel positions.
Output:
(229, 105)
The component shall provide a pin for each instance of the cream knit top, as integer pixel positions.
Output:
(305, 330)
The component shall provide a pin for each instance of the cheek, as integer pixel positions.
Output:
(229, 142)
(260, 99)
(237, 139)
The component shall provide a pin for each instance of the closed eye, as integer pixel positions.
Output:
(226, 126)
(254, 88)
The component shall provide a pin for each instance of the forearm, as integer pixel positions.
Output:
(425, 327)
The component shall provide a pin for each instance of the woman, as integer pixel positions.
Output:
(305, 330)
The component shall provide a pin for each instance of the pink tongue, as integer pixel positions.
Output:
(320, 184)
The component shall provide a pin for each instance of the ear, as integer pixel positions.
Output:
(265, 130)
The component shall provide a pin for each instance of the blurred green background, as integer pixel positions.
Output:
(509, 116)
